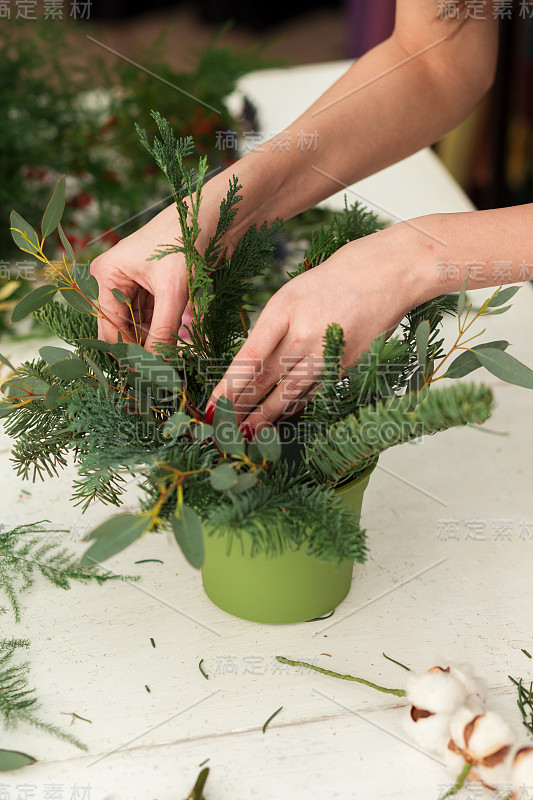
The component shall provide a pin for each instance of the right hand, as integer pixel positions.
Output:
(158, 290)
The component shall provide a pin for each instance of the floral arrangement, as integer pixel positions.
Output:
(122, 410)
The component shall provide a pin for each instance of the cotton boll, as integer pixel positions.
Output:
(495, 770)
(454, 761)
(475, 687)
(522, 773)
(475, 705)
(431, 733)
(483, 740)
(489, 735)
(459, 722)
(436, 691)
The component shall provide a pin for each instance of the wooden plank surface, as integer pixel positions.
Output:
(436, 586)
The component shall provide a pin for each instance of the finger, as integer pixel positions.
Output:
(299, 404)
(117, 318)
(290, 394)
(116, 314)
(265, 379)
(169, 304)
(268, 331)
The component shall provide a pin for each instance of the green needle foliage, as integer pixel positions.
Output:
(122, 411)
(18, 703)
(23, 555)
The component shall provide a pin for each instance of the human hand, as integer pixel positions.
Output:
(156, 289)
(367, 287)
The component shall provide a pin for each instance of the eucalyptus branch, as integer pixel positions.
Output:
(397, 692)
(458, 785)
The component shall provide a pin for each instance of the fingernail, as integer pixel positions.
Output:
(248, 431)
(209, 413)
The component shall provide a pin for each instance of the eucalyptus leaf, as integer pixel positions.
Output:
(70, 369)
(32, 301)
(6, 408)
(66, 244)
(503, 296)
(269, 443)
(55, 208)
(224, 410)
(245, 481)
(226, 434)
(422, 338)
(176, 424)
(495, 311)
(19, 226)
(12, 759)
(7, 362)
(52, 354)
(187, 528)
(415, 382)
(85, 281)
(505, 367)
(120, 296)
(254, 453)
(467, 362)
(119, 350)
(461, 300)
(98, 374)
(95, 344)
(52, 398)
(114, 535)
(24, 387)
(223, 477)
(77, 301)
(201, 430)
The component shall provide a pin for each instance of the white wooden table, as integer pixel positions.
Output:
(422, 596)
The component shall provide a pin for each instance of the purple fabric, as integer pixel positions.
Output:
(369, 22)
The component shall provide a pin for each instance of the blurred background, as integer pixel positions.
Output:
(75, 75)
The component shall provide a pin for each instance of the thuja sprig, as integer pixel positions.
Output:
(169, 153)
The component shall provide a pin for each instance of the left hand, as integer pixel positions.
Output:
(367, 287)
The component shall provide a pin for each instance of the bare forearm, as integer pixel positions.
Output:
(435, 252)
(401, 96)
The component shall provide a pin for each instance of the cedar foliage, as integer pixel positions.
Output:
(26, 552)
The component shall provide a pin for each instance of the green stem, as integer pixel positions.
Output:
(397, 692)
(459, 783)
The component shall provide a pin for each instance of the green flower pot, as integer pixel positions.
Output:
(293, 587)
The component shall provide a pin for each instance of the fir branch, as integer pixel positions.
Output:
(351, 224)
(11, 644)
(285, 512)
(18, 703)
(524, 702)
(69, 324)
(41, 438)
(350, 446)
(23, 554)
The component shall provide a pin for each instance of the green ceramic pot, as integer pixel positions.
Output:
(293, 587)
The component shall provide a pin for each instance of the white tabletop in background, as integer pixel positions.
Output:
(419, 598)
(414, 186)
